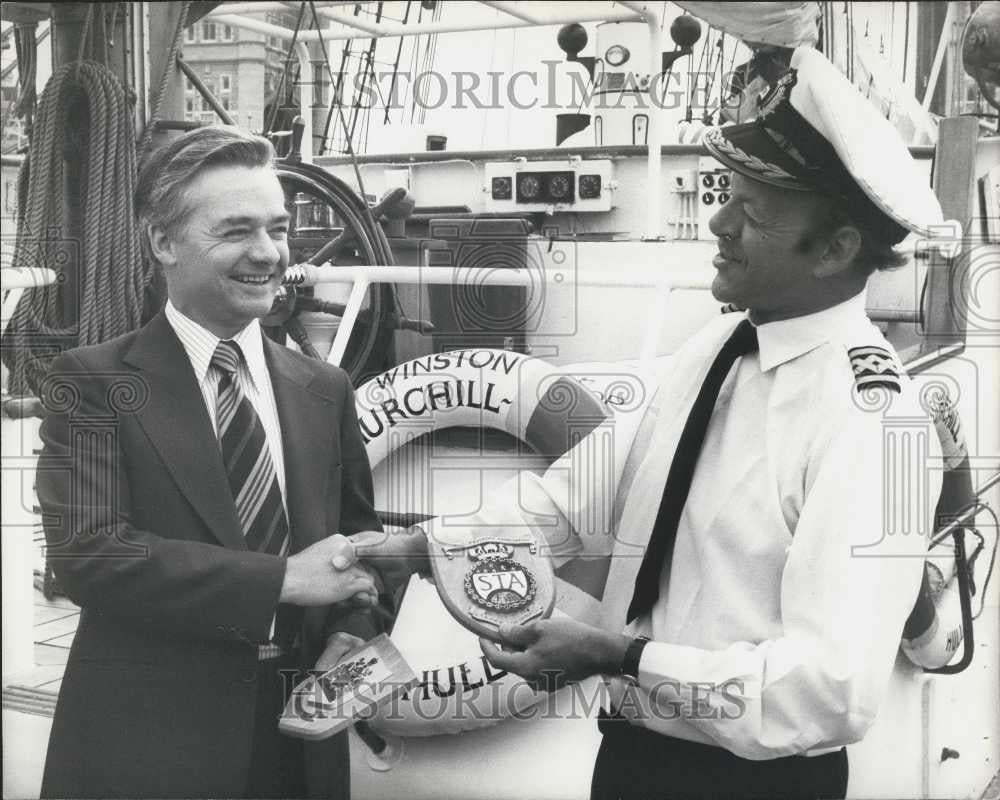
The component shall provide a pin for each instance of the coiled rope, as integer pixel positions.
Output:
(111, 276)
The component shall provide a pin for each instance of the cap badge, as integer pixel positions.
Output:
(769, 102)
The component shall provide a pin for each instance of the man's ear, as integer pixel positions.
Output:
(841, 249)
(161, 245)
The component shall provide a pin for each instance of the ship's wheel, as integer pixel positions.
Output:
(330, 225)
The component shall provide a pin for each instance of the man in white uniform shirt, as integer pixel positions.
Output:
(778, 564)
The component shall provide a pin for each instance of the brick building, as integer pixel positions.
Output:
(242, 68)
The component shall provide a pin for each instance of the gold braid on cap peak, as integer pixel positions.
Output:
(753, 163)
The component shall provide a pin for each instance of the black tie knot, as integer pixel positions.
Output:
(227, 357)
(744, 339)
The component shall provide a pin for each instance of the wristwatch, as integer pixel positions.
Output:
(630, 663)
(423, 562)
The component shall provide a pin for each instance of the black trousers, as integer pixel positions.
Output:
(637, 763)
(277, 766)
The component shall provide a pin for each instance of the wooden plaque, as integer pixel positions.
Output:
(486, 582)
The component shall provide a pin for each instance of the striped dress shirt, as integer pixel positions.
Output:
(253, 378)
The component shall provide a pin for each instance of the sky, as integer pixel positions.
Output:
(521, 70)
(512, 52)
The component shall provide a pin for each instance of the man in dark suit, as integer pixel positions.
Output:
(192, 476)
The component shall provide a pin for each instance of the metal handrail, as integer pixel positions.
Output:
(362, 277)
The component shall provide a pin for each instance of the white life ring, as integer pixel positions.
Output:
(546, 407)
(523, 396)
(937, 624)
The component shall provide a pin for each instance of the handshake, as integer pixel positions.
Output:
(338, 568)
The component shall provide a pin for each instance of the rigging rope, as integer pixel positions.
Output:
(336, 93)
(87, 22)
(906, 42)
(726, 87)
(395, 66)
(169, 66)
(111, 278)
(350, 148)
(695, 75)
(279, 94)
(710, 84)
(371, 76)
(430, 53)
(486, 116)
(26, 47)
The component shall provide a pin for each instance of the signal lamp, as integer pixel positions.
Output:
(528, 187)
(560, 187)
(616, 55)
(501, 188)
(590, 187)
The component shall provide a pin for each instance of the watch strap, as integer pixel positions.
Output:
(633, 653)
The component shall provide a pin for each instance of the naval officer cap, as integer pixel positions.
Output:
(815, 132)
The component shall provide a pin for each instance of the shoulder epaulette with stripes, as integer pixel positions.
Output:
(874, 366)
(730, 308)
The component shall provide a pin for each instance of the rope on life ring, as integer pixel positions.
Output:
(936, 625)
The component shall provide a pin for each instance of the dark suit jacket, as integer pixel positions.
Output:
(158, 695)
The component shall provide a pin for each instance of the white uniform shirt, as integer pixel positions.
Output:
(779, 619)
(799, 552)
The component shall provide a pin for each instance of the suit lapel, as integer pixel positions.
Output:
(305, 418)
(177, 423)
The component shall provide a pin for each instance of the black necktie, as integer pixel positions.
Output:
(252, 478)
(661, 542)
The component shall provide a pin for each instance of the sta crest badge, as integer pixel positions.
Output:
(487, 582)
(498, 582)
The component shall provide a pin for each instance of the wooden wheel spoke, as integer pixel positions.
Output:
(330, 221)
(331, 250)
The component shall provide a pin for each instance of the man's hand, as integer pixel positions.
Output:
(550, 653)
(337, 646)
(325, 572)
(395, 554)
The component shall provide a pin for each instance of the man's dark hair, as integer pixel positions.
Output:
(876, 252)
(163, 180)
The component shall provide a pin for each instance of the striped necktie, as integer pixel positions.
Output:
(252, 478)
(660, 549)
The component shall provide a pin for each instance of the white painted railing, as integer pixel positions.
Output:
(361, 279)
